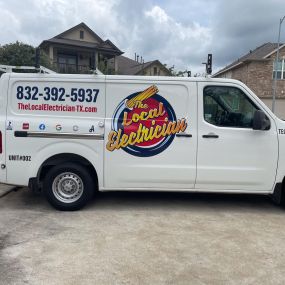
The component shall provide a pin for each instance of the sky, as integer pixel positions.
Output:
(176, 32)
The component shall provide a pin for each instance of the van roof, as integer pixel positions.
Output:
(115, 77)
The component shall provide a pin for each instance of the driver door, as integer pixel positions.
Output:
(231, 155)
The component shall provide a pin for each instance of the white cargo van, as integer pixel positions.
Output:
(69, 135)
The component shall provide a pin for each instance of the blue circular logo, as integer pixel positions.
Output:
(42, 127)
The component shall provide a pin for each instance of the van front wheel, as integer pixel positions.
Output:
(68, 186)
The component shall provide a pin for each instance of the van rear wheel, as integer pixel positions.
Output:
(68, 186)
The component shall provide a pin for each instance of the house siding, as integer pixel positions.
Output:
(240, 73)
(75, 35)
(149, 71)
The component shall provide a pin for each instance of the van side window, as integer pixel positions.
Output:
(227, 107)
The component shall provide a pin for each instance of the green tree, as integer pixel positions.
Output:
(178, 73)
(21, 54)
(171, 70)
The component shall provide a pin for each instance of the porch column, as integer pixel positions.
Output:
(116, 64)
(51, 53)
(94, 63)
(96, 56)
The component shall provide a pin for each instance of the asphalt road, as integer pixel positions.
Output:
(143, 238)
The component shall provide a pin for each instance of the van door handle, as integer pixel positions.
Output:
(184, 135)
(210, 136)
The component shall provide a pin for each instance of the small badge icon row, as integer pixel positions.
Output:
(26, 126)
(42, 127)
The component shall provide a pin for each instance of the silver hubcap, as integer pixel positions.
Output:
(67, 187)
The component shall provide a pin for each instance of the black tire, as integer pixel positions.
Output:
(70, 179)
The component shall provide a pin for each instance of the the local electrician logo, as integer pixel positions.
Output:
(144, 124)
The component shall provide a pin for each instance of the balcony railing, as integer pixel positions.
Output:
(79, 69)
(71, 68)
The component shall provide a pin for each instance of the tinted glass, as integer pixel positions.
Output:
(228, 107)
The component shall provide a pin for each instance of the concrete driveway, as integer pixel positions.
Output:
(143, 238)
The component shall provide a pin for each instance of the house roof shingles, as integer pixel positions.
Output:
(102, 45)
(81, 25)
(127, 66)
(259, 53)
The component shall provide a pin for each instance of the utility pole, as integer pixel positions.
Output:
(276, 65)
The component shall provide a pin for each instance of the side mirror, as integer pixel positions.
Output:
(260, 121)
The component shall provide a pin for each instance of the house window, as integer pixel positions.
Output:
(155, 70)
(81, 35)
(67, 63)
(279, 69)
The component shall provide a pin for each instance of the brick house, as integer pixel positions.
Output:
(76, 50)
(255, 69)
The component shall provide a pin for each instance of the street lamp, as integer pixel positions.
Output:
(276, 63)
